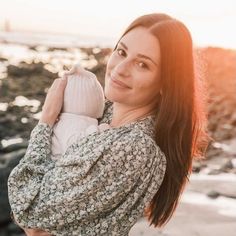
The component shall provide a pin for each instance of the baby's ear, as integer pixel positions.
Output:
(77, 69)
(72, 71)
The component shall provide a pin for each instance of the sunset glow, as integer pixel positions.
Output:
(209, 21)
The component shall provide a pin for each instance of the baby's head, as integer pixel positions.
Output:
(83, 94)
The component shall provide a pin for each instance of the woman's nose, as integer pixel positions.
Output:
(123, 68)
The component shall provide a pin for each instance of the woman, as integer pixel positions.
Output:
(139, 166)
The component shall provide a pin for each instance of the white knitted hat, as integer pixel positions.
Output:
(83, 94)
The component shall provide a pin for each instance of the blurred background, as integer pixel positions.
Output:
(40, 39)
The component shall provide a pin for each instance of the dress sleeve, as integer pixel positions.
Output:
(107, 113)
(79, 189)
(31, 167)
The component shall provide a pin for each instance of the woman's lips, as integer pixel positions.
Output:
(119, 83)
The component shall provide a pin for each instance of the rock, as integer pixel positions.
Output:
(11, 159)
(16, 71)
(213, 194)
(214, 172)
(8, 162)
(27, 80)
(227, 166)
(101, 55)
(212, 126)
(12, 228)
(213, 152)
(222, 134)
(87, 50)
(51, 49)
(218, 162)
(33, 47)
(197, 166)
(4, 231)
(2, 59)
(99, 70)
(230, 146)
(14, 147)
(25, 69)
(205, 170)
(233, 171)
(233, 161)
(11, 124)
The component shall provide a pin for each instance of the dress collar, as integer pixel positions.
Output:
(146, 124)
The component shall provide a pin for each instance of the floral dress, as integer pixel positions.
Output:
(100, 186)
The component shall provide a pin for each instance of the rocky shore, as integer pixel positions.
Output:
(27, 72)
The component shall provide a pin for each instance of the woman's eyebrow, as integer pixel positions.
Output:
(139, 55)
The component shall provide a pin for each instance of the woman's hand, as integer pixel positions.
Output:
(36, 232)
(54, 101)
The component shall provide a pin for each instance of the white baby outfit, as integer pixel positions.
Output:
(83, 104)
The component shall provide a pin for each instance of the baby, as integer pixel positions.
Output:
(83, 104)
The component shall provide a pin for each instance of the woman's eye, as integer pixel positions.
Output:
(121, 52)
(142, 65)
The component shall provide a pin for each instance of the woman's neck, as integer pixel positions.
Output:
(123, 114)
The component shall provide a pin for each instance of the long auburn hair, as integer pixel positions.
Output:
(181, 120)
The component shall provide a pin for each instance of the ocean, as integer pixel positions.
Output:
(55, 40)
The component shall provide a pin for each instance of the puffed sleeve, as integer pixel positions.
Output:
(86, 183)
(32, 166)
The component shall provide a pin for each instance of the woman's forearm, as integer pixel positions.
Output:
(22, 181)
(31, 232)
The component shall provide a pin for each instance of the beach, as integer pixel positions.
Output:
(208, 204)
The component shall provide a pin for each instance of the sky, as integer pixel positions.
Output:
(209, 21)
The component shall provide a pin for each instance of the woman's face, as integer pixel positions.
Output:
(133, 69)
